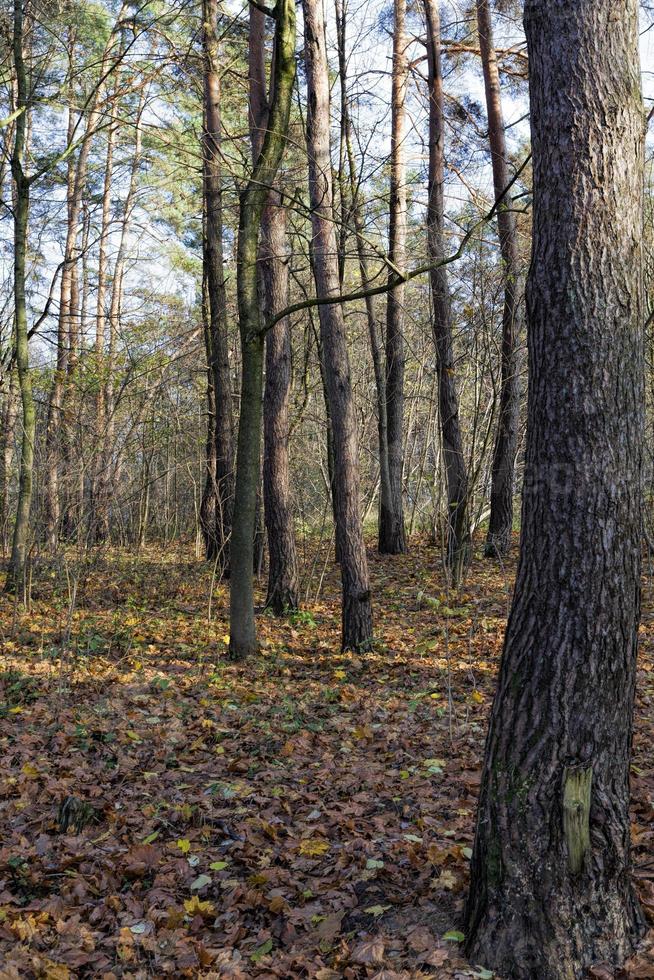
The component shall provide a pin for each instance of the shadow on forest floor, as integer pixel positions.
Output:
(305, 814)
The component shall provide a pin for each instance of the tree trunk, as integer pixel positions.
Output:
(273, 269)
(550, 889)
(372, 317)
(98, 520)
(392, 536)
(456, 476)
(282, 554)
(208, 502)
(356, 605)
(498, 540)
(53, 448)
(243, 640)
(109, 468)
(75, 187)
(16, 571)
(7, 434)
(215, 277)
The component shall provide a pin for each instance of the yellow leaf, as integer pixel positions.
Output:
(477, 697)
(55, 971)
(314, 847)
(29, 770)
(184, 845)
(340, 674)
(198, 906)
(15, 711)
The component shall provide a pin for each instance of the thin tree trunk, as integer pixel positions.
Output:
(215, 277)
(243, 640)
(55, 404)
(7, 434)
(372, 315)
(392, 535)
(456, 476)
(208, 501)
(356, 604)
(498, 540)
(99, 527)
(109, 467)
(75, 188)
(16, 571)
(550, 889)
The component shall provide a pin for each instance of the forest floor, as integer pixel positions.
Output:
(164, 812)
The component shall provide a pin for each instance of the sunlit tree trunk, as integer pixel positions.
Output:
(243, 640)
(356, 604)
(550, 889)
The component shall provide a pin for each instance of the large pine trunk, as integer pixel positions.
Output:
(550, 884)
(278, 506)
(498, 540)
(356, 605)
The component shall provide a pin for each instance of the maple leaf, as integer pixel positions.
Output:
(198, 906)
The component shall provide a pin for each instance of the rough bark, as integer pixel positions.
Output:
(282, 594)
(213, 262)
(498, 540)
(456, 476)
(356, 604)
(550, 886)
(392, 535)
(243, 639)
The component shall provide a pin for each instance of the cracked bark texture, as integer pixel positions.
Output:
(566, 685)
(282, 594)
